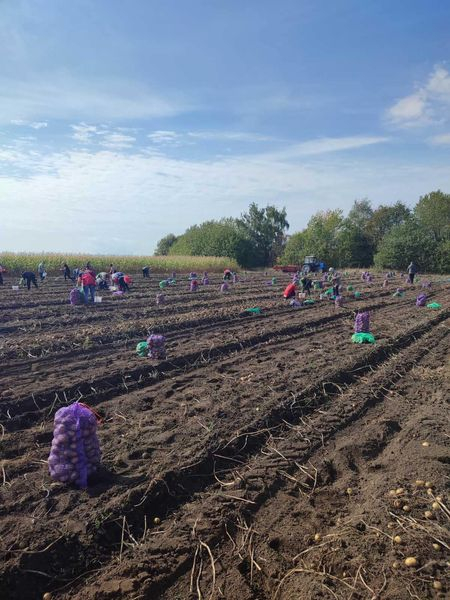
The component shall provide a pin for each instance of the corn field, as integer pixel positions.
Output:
(53, 261)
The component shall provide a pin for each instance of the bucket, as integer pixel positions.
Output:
(15, 288)
(97, 299)
(301, 296)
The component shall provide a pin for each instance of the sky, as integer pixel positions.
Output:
(121, 122)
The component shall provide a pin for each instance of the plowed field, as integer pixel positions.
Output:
(257, 462)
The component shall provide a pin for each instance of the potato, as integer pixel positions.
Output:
(420, 483)
(406, 508)
(397, 539)
(317, 537)
(425, 444)
(428, 484)
(436, 506)
(411, 561)
(437, 585)
(437, 547)
(428, 514)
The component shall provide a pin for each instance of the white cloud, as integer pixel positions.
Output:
(38, 125)
(163, 194)
(230, 136)
(117, 140)
(430, 103)
(164, 137)
(34, 125)
(62, 97)
(440, 140)
(325, 145)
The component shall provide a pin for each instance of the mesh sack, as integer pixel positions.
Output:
(224, 287)
(434, 305)
(363, 338)
(421, 300)
(339, 301)
(156, 346)
(75, 452)
(76, 297)
(362, 323)
(160, 299)
(142, 349)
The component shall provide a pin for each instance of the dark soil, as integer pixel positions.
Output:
(265, 446)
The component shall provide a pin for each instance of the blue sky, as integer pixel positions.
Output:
(123, 121)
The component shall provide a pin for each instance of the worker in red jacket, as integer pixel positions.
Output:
(88, 281)
(289, 292)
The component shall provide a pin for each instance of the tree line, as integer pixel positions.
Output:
(388, 236)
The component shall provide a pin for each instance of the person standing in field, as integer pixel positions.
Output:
(145, 272)
(29, 278)
(306, 284)
(1, 274)
(412, 270)
(88, 281)
(336, 282)
(41, 271)
(67, 274)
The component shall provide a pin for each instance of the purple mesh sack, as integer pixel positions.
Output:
(362, 323)
(235, 278)
(205, 281)
(339, 301)
(426, 284)
(160, 299)
(76, 297)
(224, 287)
(156, 346)
(421, 300)
(75, 452)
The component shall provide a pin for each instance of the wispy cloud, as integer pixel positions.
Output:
(230, 136)
(62, 97)
(440, 140)
(186, 191)
(33, 124)
(430, 103)
(165, 137)
(117, 140)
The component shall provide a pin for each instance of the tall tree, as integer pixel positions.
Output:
(266, 228)
(165, 244)
(433, 214)
(384, 218)
(405, 243)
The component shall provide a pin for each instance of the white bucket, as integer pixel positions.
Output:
(97, 299)
(15, 288)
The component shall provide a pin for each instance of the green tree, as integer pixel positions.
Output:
(433, 215)
(216, 238)
(295, 250)
(164, 244)
(443, 257)
(355, 246)
(360, 214)
(405, 243)
(265, 228)
(383, 219)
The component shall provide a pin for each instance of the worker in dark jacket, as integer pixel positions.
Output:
(412, 270)
(306, 284)
(30, 278)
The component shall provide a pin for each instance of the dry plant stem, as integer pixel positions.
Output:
(311, 572)
(122, 538)
(213, 568)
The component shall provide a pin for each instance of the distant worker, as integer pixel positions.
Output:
(41, 271)
(67, 274)
(102, 280)
(123, 283)
(412, 270)
(111, 269)
(88, 281)
(146, 272)
(29, 278)
(336, 282)
(227, 275)
(289, 292)
(306, 284)
(1, 274)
